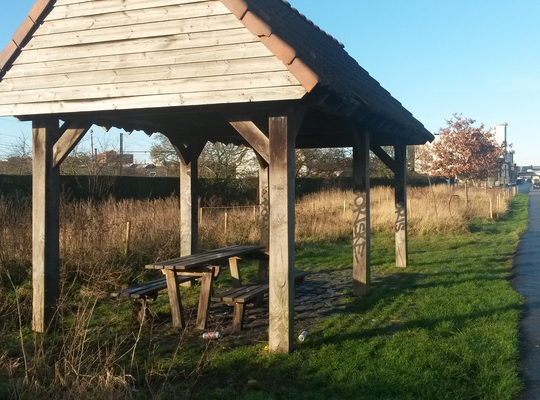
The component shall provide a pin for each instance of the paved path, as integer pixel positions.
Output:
(526, 280)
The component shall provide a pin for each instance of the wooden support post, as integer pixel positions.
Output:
(281, 290)
(45, 224)
(264, 214)
(189, 197)
(361, 216)
(401, 204)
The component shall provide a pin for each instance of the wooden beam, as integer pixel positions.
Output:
(45, 224)
(384, 157)
(281, 168)
(361, 215)
(254, 136)
(401, 204)
(70, 137)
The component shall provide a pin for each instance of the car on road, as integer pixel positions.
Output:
(536, 185)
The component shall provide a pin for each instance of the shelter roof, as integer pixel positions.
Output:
(84, 56)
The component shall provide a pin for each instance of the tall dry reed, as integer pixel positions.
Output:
(437, 209)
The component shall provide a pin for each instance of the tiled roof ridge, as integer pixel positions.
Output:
(314, 24)
(281, 49)
(21, 36)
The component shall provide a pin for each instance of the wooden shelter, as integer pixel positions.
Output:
(251, 72)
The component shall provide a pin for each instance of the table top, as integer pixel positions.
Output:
(194, 261)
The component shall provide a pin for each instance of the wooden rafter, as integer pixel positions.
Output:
(384, 157)
(254, 136)
(71, 134)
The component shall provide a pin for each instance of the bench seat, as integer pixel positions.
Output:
(253, 293)
(145, 292)
(239, 297)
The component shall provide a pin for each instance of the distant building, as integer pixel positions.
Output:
(112, 157)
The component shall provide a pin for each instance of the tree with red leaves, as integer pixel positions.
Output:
(465, 151)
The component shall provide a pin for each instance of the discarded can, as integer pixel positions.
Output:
(302, 336)
(211, 335)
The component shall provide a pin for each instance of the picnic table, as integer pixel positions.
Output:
(205, 266)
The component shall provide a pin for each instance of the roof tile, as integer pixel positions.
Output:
(304, 74)
(280, 48)
(8, 55)
(38, 9)
(24, 32)
(256, 25)
(237, 7)
(324, 55)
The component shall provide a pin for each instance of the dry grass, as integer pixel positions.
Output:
(95, 259)
(94, 235)
(440, 209)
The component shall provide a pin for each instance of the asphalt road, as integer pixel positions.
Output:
(526, 280)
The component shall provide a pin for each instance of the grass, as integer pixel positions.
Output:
(444, 327)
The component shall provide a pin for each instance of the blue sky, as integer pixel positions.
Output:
(437, 57)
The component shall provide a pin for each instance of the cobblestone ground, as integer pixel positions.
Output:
(320, 295)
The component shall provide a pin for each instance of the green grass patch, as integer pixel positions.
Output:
(446, 327)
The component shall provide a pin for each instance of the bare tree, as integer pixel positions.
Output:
(217, 160)
(223, 161)
(19, 156)
(323, 162)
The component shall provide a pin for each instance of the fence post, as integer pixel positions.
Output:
(128, 237)
(490, 208)
(466, 194)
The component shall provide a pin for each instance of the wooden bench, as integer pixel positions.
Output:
(253, 293)
(140, 295)
(239, 297)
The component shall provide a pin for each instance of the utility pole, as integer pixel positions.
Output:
(92, 144)
(121, 152)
